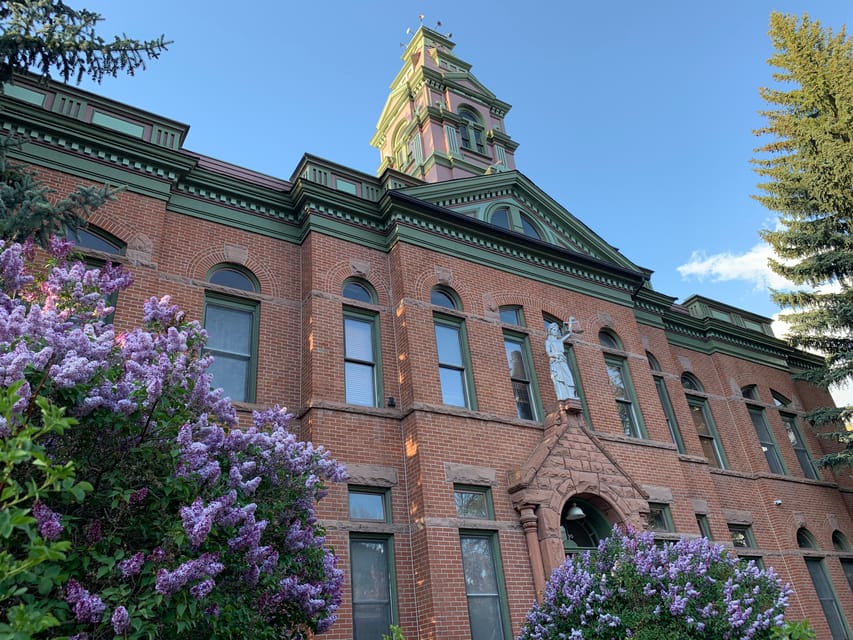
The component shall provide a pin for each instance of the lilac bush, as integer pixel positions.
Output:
(168, 518)
(632, 588)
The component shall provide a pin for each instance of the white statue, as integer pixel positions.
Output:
(564, 384)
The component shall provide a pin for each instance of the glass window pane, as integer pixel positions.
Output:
(847, 565)
(366, 506)
(232, 278)
(478, 566)
(741, 536)
(371, 588)
(360, 384)
(369, 571)
(825, 594)
(447, 343)
(231, 373)
(528, 228)
(710, 451)
(500, 218)
(228, 329)
(698, 413)
(626, 416)
(484, 614)
(358, 337)
(442, 299)
(523, 405)
(511, 315)
(617, 383)
(515, 359)
(472, 504)
(452, 387)
(355, 291)
(89, 240)
(658, 520)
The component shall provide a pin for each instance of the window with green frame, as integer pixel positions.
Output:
(454, 368)
(704, 422)
(742, 537)
(512, 314)
(795, 437)
(373, 585)
(92, 238)
(521, 376)
(473, 502)
(823, 586)
(704, 525)
(484, 585)
(361, 358)
(766, 440)
(666, 404)
(369, 504)
(660, 519)
(232, 328)
(623, 392)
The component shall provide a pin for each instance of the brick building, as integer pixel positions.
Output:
(404, 319)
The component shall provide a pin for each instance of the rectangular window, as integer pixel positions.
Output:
(660, 385)
(768, 444)
(799, 446)
(368, 504)
(659, 518)
(231, 325)
(371, 572)
(452, 363)
(742, 536)
(704, 525)
(518, 359)
(707, 432)
(473, 502)
(828, 601)
(483, 586)
(620, 385)
(847, 565)
(361, 359)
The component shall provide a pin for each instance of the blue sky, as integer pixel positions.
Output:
(636, 117)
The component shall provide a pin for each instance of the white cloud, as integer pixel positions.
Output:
(750, 266)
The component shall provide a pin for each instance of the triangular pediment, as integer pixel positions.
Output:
(480, 197)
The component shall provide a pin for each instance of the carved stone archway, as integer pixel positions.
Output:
(569, 461)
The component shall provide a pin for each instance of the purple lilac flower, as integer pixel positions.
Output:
(87, 607)
(48, 521)
(138, 496)
(132, 566)
(120, 620)
(94, 533)
(205, 566)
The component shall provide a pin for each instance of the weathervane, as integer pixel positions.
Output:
(410, 31)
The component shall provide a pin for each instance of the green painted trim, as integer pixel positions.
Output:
(702, 403)
(500, 578)
(523, 340)
(622, 363)
(669, 412)
(372, 318)
(458, 323)
(252, 307)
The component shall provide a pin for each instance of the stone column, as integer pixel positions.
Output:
(530, 524)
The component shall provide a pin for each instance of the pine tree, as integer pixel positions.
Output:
(808, 168)
(49, 37)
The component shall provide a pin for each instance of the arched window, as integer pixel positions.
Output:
(500, 218)
(454, 365)
(750, 392)
(666, 404)
(608, 340)
(528, 228)
(232, 327)
(402, 156)
(443, 297)
(795, 436)
(471, 130)
(362, 379)
(359, 291)
(620, 385)
(703, 421)
(582, 526)
(96, 239)
(512, 314)
(840, 542)
(822, 586)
